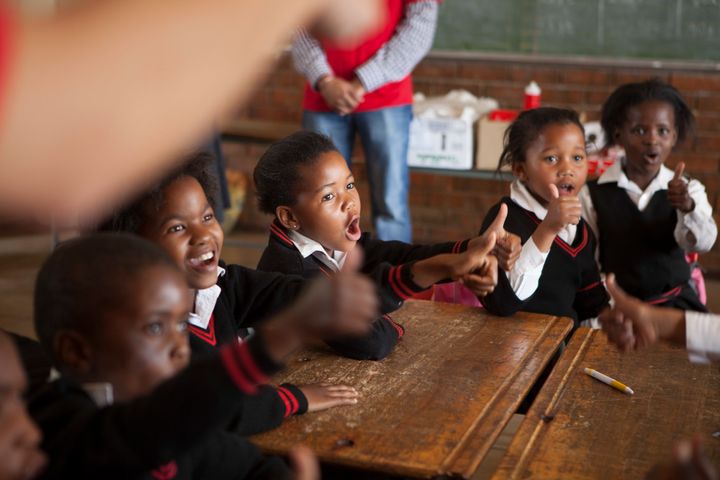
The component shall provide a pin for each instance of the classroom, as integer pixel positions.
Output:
(510, 314)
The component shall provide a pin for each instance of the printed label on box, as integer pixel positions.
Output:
(441, 143)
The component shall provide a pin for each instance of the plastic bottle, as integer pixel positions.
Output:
(532, 96)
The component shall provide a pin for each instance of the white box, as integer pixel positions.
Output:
(441, 143)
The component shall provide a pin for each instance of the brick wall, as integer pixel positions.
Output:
(448, 206)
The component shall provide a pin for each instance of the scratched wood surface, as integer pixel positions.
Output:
(581, 428)
(436, 404)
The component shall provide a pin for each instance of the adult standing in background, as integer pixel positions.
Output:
(368, 90)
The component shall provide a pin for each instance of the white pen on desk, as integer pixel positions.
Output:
(609, 381)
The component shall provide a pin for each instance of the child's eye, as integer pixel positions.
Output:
(579, 158)
(208, 217)
(328, 197)
(551, 159)
(182, 326)
(350, 185)
(176, 228)
(639, 130)
(664, 131)
(154, 328)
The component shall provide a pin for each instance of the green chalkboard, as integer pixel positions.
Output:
(662, 29)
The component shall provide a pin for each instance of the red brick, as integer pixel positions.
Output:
(484, 71)
(708, 103)
(527, 73)
(585, 77)
(436, 68)
(707, 123)
(693, 82)
(705, 143)
(563, 96)
(621, 77)
(696, 163)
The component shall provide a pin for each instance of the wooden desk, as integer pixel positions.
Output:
(436, 404)
(581, 428)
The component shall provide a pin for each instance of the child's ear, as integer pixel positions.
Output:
(73, 352)
(518, 169)
(287, 217)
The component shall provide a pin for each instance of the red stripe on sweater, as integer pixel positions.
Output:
(248, 363)
(232, 366)
(590, 287)
(665, 296)
(280, 234)
(398, 328)
(293, 400)
(284, 397)
(207, 335)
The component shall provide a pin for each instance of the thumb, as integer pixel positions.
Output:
(304, 463)
(618, 294)
(354, 260)
(497, 224)
(487, 243)
(554, 193)
(679, 169)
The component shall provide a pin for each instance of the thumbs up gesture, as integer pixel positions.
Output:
(507, 246)
(678, 194)
(561, 211)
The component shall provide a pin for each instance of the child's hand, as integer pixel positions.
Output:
(561, 211)
(341, 95)
(321, 396)
(508, 245)
(304, 463)
(689, 462)
(678, 191)
(484, 280)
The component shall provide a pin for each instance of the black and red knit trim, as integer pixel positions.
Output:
(398, 328)
(207, 334)
(165, 472)
(278, 231)
(587, 288)
(460, 246)
(400, 280)
(572, 251)
(293, 398)
(664, 297)
(242, 367)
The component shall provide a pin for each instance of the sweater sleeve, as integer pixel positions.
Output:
(267, 409)
(134, 437)
(229, 456)
(375, 345)
(503, 300)
(260, 295)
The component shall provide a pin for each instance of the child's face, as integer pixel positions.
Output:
(144, 340)
(20, 456)
(648, 137)
(187, 229)
(328, 204)
(556, 157)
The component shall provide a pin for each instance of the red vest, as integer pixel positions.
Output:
(343, 63)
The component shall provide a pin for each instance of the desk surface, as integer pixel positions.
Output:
(581, 428)
(436, 404)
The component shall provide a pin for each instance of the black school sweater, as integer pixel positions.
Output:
(388, 263)
(175, 432)
(569, 285)
(640, 247)
(247, 297)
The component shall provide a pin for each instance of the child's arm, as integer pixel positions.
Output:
(375, 345)
(696, 230)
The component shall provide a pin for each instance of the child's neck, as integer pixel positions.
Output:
(639, 177)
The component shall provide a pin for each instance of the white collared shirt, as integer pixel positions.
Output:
(205, 301)
(695, 231)
(307, 246)
(702, 332)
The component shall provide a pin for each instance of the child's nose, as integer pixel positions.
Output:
(181, 350)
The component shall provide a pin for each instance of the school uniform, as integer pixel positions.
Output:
(702, 333)
(388, 263)
(174, 432)
(643, 239)
(564, 281)
(225, 313)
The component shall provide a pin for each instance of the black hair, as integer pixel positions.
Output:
(615, 108)
(87, 276)
(528, 126)
(277, 176)
(130, 218)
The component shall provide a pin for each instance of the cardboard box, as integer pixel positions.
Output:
(441, 143)
(490, 132)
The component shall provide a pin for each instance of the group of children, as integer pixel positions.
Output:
(164, 351)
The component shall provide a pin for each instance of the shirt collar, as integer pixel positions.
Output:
(205, 301)
(616, 174)
(307, 246)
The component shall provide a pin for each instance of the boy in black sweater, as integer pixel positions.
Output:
(305, 183)
(112, 311)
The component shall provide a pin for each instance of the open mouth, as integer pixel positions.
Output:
(204, 260)
(566, 189)
(353, 231)
(651, 157)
